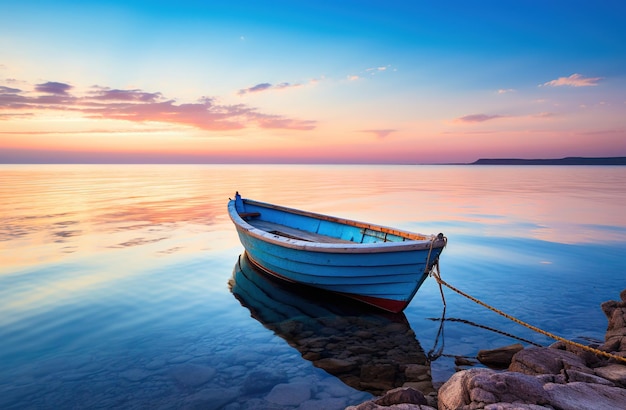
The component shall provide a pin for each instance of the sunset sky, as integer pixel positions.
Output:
(311, 82)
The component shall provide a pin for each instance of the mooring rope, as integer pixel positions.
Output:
(437, 275)
(491, 329)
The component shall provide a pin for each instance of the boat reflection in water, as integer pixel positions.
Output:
(367, 349)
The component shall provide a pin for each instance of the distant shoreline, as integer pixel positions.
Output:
(559, 161)
(481, 161)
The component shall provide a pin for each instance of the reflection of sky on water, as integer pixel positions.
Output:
(48, 216)
(109, 269)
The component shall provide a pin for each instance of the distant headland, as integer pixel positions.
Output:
(559, 161)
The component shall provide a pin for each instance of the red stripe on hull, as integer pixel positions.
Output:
(393, 306)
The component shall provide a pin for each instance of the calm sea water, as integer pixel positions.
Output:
(121, 286)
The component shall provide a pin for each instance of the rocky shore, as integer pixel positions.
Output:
(558, 377)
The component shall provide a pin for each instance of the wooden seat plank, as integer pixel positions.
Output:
(294, 233)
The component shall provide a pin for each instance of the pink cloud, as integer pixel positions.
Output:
(545, 115)
(140, 106)
(478, 118)
(380, 133)
(574, 80)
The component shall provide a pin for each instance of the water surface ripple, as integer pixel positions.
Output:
(116, 281)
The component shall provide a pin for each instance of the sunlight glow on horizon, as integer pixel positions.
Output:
(309, 83)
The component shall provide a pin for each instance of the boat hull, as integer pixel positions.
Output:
(386, 275)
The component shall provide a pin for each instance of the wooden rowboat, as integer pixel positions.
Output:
(380, 266)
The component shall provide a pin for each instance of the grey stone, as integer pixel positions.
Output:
(401, 395)
(576, 376)
(289, 394)
(499, 358)
(516, 406)
(417, 372)
(576, 396)
(474, 387)
(369, 405)
(544, 360)
(613, 372)
(192, 375)
(334, 366)
(210, 399)
(327, 403)
(261, 381)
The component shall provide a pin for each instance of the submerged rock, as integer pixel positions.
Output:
(499, 358)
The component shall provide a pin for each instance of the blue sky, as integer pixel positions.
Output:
(282, 81)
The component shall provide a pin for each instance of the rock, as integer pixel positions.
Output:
(401, 395)
(463, 361)
(401, 398)
(562, 376)
(616, 373)
(499, 358)
(515, 406)
(425, 387)
(327, 403)
(289, 394)
(575, 396)
(590, 359)
(210, 399)
(609, 307)
(335, 366)
(544, 360)
(615, 337)
(368, 405)
(261, 381)
(477, 388)
(576, 376)
(417, 372)
(378, 377)
(192, 375)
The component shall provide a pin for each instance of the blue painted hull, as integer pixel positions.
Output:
(377, 265)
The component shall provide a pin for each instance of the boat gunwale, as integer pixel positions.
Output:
(377, 247)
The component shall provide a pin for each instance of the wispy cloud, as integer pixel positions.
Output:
(574, 80)
(506, 90)
(478, 118)
(544, 115)
(380, 133)
(52, 87)
(108, 94)
(9, 90)
(375, 70)
(140, 106)
(267, 87)
(368, 71)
